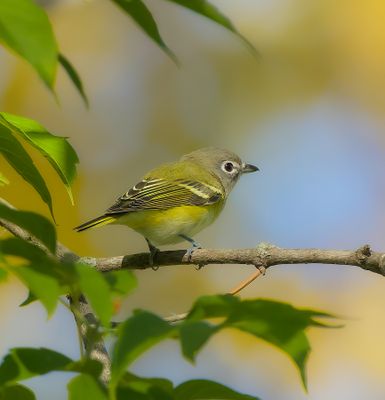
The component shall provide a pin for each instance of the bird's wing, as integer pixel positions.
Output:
(161, 194)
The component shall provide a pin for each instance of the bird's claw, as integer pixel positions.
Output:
(153, 252)
(191, 250)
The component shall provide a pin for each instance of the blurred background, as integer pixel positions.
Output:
(309, 113)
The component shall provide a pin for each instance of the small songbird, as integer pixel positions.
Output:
(175, 201)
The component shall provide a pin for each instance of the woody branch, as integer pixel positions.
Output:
(264, 255)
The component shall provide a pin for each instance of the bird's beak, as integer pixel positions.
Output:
(246, 168)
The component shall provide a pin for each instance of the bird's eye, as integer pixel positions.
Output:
(228, 166)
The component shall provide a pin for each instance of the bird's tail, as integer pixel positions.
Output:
(99, 221)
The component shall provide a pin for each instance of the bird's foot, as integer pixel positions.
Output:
(153, 252)
(190, 251)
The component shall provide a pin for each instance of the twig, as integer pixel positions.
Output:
(84, 317)
(247, 281)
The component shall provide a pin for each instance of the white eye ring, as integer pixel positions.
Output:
(229, 167)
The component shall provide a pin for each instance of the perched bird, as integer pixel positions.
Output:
(175, 201)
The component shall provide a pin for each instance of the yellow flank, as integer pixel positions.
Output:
(165, 226)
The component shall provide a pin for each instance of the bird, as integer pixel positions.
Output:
(175, 201)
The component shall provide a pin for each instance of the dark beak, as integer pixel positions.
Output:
(249, 168)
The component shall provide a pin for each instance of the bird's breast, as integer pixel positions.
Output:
(165, 226)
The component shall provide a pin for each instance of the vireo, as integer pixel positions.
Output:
(175, 201)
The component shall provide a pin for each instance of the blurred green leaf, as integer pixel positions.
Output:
(56, 149)
(85, 387)
(212, 306)
(65, 273)
(193, 335)
(206, 9)
(3, 180)
(202, 389)
(30, 299)
(86, 366)
(136, 335)
(96, 289)
(143, 17)
(14, 246)
(16, 392)
(21, 161)
(3, 275)
(25, 28)
(137, 388)
(9, 370)
(40, 361)
(24, 362)
(40, 275)
(278, 323)
(45, 288)
(74, 76)
(148, 388)
(121, 282)
(35, 224)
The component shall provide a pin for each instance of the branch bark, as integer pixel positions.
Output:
(263, 256)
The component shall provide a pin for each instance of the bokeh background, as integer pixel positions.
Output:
(309, 113)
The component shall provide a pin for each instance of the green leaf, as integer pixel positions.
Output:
(30, 299)
(206, 9)
(3, 275)
(121, 282)
(63, 272)
(278, 323)
(41, 360)
(193, 335)
(56, 149)
(136, 335)
(35, 224)
(202, 389)
(42, 276)
(45, 288)
(212, 306)
(85, 387)
(74, 76)
(96, 289)
(86, 366)
(17, 392)
(25, 28)
(23, 363)
(21, 161)
(3, 180)
(143, 17)
(136, 388)
(9, 370)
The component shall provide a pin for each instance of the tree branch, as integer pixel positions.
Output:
(84, 317)
(264, 255)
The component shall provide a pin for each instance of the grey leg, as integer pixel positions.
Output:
(153, 251)
(195, 245)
